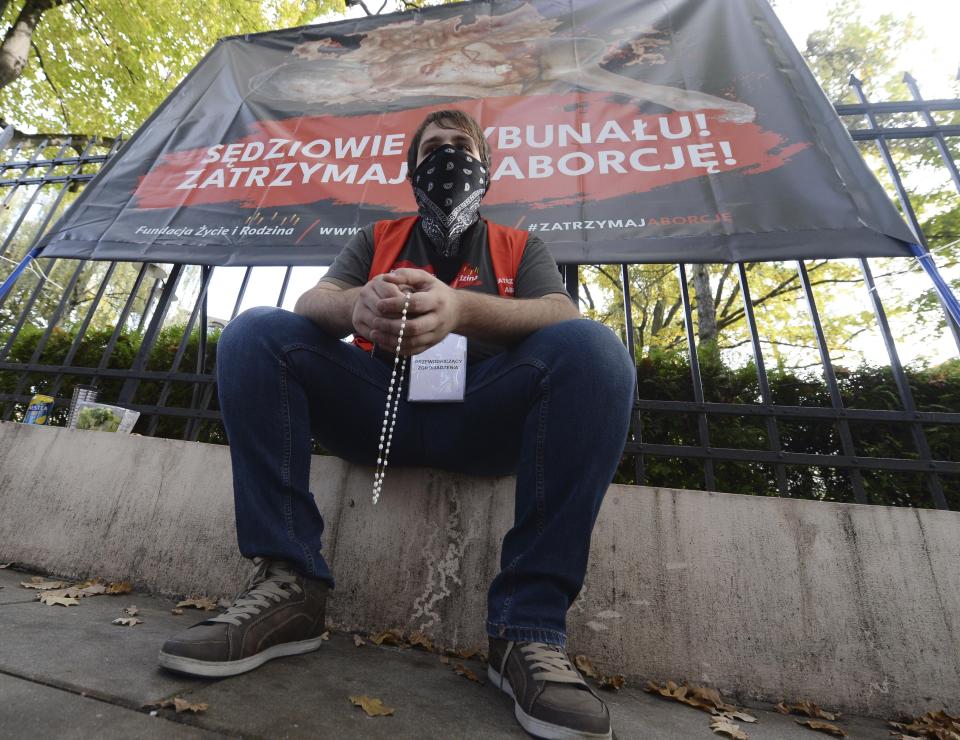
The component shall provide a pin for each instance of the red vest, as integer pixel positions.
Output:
(506, 247)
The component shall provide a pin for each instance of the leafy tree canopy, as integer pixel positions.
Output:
(100, 67)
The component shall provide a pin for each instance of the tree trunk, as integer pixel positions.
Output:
(15, 49)
(706, 309)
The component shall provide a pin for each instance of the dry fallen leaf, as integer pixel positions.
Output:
(723, 726)
(389, 637)
(585, 666)
(325, 636)
(461, 670)
(938, 725)
(467, 653)
(739, 716)
(359, 641)
(373, 707)
(807, 708)
(612, 683)
(179, 704)
(176, 611)
(127, 621)
(121, 587)
(445, 660)
(815, 724)
(51, 599)
(131, 610)
(418, 639)
(699, 697)
(182, 705)
(42, 584)
(201, 602)
(81, 591)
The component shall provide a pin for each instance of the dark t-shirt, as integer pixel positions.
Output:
(471, 269)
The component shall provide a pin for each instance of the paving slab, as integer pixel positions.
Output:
(31, 710)
(10, 589)
(77, 647)
(308, 697)
(53, 659)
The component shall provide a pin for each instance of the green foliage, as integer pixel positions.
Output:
(176, 394)
(127, 55)
(665, 375)
(661, 375)
(849, 45)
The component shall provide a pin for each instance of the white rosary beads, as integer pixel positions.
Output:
(393, 403)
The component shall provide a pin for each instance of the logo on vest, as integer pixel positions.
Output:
(468, 277)
(507, 285)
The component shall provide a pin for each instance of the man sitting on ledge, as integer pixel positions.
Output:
(548, 397)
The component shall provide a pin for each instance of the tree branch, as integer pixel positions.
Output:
(104, 39)
(15, 49)
(586, 290)
(723, 278)
(56, 90)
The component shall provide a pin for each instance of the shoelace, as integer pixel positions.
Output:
(265, 588)
(550, 662)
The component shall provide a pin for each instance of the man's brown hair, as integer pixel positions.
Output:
(448, 119)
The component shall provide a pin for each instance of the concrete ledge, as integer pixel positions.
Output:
(853, 607)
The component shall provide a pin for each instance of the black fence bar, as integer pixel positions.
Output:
(773, 433)
(902, 465)
(902, 194)
(836, 400)
(54, 320)
(82, 329)
(122, 319)
(896, 106)
(938, 136)
(155, 295)
(636, 419)
(906, 132)
(153, 331)
(184, 341)
(703, 426)
(903, 386)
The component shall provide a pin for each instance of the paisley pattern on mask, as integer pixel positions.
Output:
(449, 185)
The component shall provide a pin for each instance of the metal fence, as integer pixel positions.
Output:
(142, 333)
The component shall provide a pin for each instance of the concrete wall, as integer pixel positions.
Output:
(853, 607)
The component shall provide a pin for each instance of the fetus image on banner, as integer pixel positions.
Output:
(515, 53)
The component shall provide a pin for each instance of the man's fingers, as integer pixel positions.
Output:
(420, 303)
(413, 328)
(385, 288)
(417, 279)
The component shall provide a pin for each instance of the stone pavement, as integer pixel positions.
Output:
(67, 672)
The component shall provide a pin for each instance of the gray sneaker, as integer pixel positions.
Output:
(279, 613)
(551, 699)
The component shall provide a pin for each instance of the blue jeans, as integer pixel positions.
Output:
(554, 409)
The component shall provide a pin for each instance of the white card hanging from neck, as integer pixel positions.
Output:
(440, 373)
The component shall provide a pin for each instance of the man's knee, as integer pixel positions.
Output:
(591, 347)
(257, 330)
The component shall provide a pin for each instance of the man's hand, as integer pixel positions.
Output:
(431, 315)
(367, 310)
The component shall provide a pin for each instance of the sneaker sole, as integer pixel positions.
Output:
(221, 668)
(538, 727)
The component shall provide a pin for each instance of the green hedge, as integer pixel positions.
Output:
(661, 376)
(88, 354)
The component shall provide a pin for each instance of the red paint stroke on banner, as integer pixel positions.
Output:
(548, 150)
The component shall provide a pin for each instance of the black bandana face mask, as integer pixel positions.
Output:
(449, 185)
